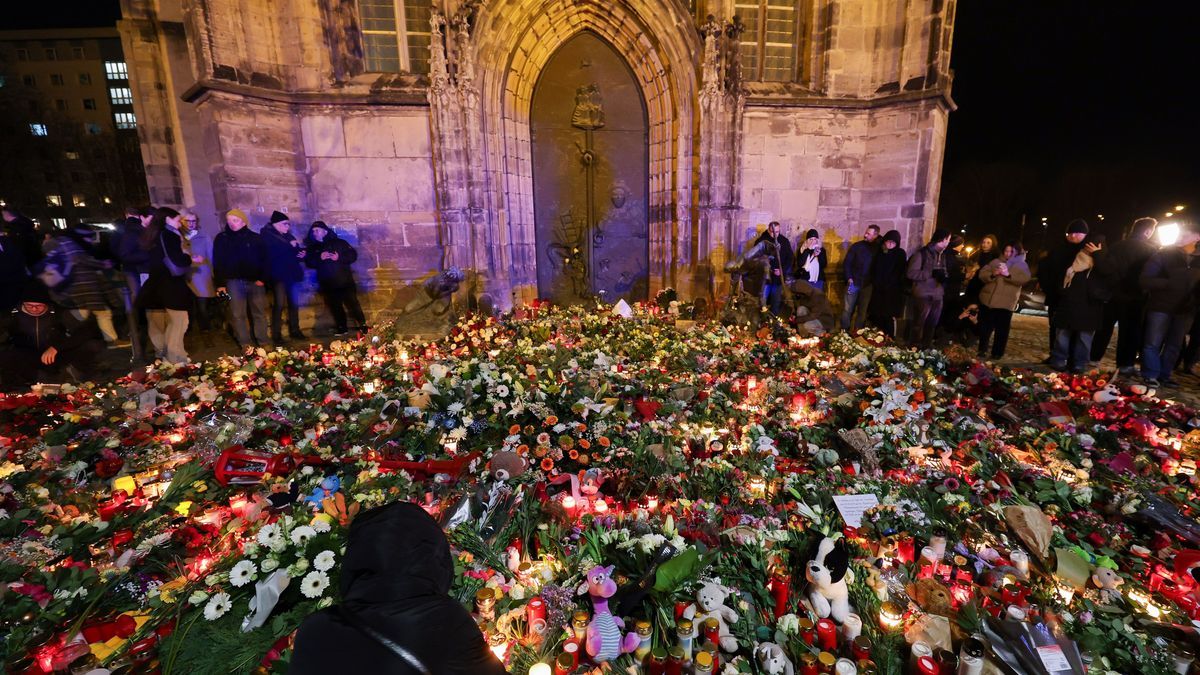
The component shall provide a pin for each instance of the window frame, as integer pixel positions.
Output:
(120, 95)
(54, 200)
(57, 80)
(759, 39)
(400, 12)
(29, 80)
(39, 129)
(78, 53)
(125, 120)
(116, 70)
(22, 54)
(89, 104)
(85, 79)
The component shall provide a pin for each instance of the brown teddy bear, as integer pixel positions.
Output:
(506, 465)
(934, 598)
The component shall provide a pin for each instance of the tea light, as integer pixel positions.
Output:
(891, 616)
(540, 669)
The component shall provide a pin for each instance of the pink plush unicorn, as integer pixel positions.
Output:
(604, 641)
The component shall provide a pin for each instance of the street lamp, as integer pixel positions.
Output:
(1178, 207)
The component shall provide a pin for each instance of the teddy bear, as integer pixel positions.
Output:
(933, 597)
(1108, 581)
(710, 603)
(828, 574)
(772, 660)
(506, 465)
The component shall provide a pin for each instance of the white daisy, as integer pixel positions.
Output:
(243, 573)
(502, 391)
(302, 534)
(271, 537)
(320, 525)
(324, 561)
(314, 584)
(217, 606)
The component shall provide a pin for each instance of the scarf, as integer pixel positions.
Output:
(1082, 263)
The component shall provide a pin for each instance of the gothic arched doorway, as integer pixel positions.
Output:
(590, 176)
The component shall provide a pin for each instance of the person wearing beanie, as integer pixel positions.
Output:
(331, 256)
(887, 284)
(1171, 279)
(1124, 264)
(43, 343)
(857, 268)
(1085, 289)
(811, 259)
(285, 271)
(240, 271)
(1053, 268)
(780, 265)
(927, 269)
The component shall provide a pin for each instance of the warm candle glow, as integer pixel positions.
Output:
(540, 669)
(891, 615)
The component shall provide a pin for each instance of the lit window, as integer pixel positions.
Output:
(22, 54)
(89, 104)
(121, 95)
(116, 70)
(59, 223)
(56, 79)
(396, 35)
(77, 52)
(38, 129)
(71, 154)
(51, 55)
(85, 78)
(91, 128)
(769, 43)
(125, 120)
(79, 201)
(54, 200)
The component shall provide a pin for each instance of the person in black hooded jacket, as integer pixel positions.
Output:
(394, 583)
(331, 256)
(887, 275)
(285, 271)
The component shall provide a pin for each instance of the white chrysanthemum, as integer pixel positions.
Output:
(243, 573)
(321, 525)
(270, 536)
(302, 534)
(314, 584)
(324, 561)
(217, 606)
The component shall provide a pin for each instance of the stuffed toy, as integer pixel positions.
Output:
(506, 465)
(710, 603)
(1108, 394)
(603, 638)
(329, 485)
(1108, 581)
(772, 660)
(828, 573)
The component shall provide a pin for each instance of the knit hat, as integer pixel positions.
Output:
(892, 236)
(1077, 226)
(277, 217)
(957, 241)
(939, 235)
(318, 223)
(812, 234)
(240, 214)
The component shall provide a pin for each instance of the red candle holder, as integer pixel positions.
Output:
(827, 635)
(781, 592)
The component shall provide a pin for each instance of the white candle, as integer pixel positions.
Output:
(540, 669)
(852, 627)
(1020, 560)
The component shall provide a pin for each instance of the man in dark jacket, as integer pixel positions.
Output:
(1124, 264)
(781, 266)
(957, 328)
(13, 274)
(1082, 295)
(331, 256)
(857, 268)
(1053, 268)
(1171, 279)
(395, 617)
(285, 271)
(928, 272)
(44, 342)
(240, 271)
(887, 282)
(24, 233)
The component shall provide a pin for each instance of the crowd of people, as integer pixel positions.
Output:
(158, 269)
(945, 292)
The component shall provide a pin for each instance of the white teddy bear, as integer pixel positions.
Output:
(829, 574)
(772, 660)
(710, 602)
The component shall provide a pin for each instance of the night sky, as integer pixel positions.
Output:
(1067, 108)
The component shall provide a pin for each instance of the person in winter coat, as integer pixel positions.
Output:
(781, 266)
(395, 617)
(199, 246)
(13, 273)
(810, 260)
(1054, 266)
(952, 320)
(1124, 263)
(1171, 279)
(1002, 278)
(887, 284)
(331, 256)
(857, 268)
(166, 296)
(84, 289)
(927, 269)
(23, 233)
(43, 343)
(240, 270)
(285, 271)
(1084, 291)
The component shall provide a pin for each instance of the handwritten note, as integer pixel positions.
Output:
(852, 507)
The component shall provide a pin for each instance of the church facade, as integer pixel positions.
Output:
(564, 149)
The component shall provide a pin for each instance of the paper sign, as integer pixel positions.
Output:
(148, 400)
(1053, 658)
(852, 507)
